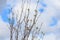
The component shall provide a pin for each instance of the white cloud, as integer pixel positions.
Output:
(51, 36)
(4, 29)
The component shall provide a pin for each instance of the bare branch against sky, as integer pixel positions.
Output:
(29, 20)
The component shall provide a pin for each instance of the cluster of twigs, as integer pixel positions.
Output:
(27, 28)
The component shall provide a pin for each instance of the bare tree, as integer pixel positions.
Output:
(11, 23)
(29, 24)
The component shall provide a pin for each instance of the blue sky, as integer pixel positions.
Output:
(47, 9)
(53, 22)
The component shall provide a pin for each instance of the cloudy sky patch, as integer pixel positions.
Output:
(50, 10)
